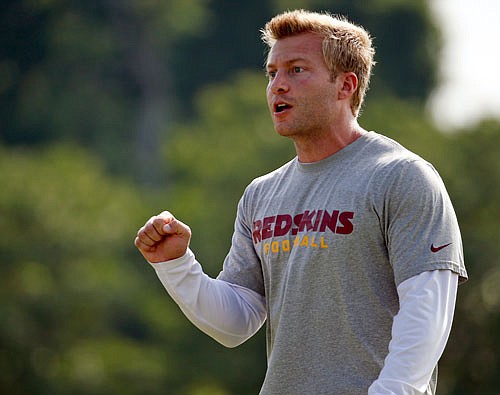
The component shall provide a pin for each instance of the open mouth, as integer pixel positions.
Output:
(281, 107)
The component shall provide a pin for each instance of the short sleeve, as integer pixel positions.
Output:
(422, 231)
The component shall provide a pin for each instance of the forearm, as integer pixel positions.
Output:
(229, 313)
(419, 333)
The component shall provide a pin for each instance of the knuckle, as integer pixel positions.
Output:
(142, 234)
(158, 221)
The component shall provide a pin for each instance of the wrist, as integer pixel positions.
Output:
(178, 261)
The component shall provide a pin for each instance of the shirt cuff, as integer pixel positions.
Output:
(187, 258)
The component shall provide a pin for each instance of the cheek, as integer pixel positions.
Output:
(319, 107)
(268, 97)
(325, 98)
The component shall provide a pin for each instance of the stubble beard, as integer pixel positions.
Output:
(302, 128)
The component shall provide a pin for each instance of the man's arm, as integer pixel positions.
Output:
(419, 333)
(229, 313)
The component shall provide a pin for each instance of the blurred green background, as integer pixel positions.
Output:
(114, 110)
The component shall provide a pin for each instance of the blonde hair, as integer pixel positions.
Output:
(346, 47)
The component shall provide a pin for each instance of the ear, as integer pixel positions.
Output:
(349, 84)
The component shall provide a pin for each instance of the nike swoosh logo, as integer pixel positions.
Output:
(436, 249)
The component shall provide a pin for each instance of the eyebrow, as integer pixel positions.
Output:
(288, 62)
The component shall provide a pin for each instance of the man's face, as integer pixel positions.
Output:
(301, 96)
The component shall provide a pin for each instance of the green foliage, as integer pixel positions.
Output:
(82, 313)
(100, 75)
(72, 318)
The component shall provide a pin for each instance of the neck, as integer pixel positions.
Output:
(314, 148)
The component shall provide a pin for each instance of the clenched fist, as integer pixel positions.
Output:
(163, 238)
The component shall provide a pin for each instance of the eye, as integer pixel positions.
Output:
(297, 69)
(270, 74)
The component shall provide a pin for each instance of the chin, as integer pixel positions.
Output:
(282, 130)
(290, 133)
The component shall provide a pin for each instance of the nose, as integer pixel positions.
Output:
(279, 83)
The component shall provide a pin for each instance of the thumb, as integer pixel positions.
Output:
(175, 227)
(168, 228)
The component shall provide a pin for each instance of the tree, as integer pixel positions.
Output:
(77, 315)
(94, 73)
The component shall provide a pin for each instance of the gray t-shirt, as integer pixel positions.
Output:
(327, 243)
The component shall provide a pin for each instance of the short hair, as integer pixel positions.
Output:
(347, 47)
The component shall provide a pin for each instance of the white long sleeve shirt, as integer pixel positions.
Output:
(231, 314)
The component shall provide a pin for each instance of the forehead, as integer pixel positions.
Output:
(305, 46)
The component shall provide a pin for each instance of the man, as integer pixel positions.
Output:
(351, 251)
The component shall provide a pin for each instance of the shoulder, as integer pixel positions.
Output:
(394, 161)
(395, 172)
(388, 151)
